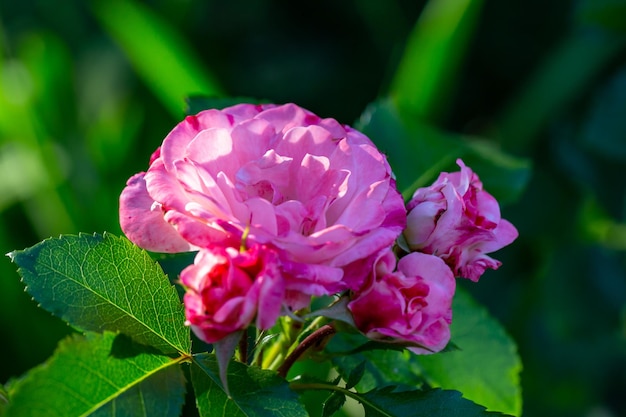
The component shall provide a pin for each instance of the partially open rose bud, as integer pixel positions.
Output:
(227, 290)
(410, 305)
(458, 221)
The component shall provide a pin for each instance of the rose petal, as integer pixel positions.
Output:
(142, 220)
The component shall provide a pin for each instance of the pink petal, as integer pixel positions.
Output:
(142, 220)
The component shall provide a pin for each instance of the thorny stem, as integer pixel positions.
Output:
(315, 339)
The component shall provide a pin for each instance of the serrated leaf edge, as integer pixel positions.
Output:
(103, 236)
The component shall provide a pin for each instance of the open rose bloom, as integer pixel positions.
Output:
(319, 193)
(283, 205)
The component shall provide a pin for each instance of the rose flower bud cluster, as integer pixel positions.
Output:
(451, 226)
(282, 205)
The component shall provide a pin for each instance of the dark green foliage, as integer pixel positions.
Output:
(253, 392)
(434, 403)
(485, 365)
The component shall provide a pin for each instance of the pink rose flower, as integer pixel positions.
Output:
(458, 221)
(317, 191)
(227, 290)
(411, 305)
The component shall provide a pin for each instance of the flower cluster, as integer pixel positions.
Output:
(282, 205)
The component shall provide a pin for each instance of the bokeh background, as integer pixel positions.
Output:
(89, 89)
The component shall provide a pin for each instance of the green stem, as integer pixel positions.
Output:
(269, 356)
(243, 348)
(281, 347)
(323, 387)
(315, 339)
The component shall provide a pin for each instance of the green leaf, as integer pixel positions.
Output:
(418, 153)
(254, 392)
(100, 374)
(315, 371)
(486, 368)
(429, 67)
(333, 403)
(382, 368)
(355, 375)
(385, 364)
(385, 402)
(338, 310)
(102, 282)
(433, 403)
(159, 54)
(609, 14)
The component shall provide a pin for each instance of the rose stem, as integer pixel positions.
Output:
(312, 340)
(243, 348)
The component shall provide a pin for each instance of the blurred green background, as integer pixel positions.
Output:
(89, 89)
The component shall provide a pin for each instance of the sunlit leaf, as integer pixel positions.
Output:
(254, 392)
(486, 368)
(102, 282)
(101, 375)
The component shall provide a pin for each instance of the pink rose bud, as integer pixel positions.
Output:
(227, 290)
(315, 189)
(412, 305)
(458, 221)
